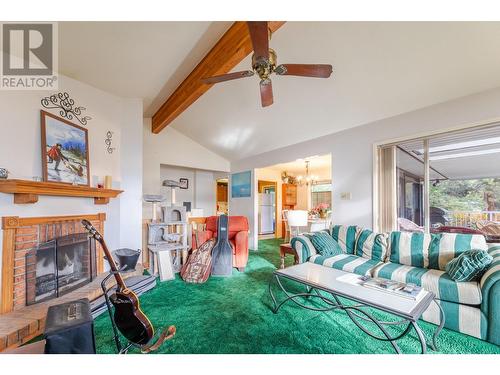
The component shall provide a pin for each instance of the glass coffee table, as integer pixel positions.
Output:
(338, 290)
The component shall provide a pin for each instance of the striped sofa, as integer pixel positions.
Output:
(472, 308)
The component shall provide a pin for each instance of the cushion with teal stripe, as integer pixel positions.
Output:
(459, 317)
(469, 266)
(446, 246)
(303, 247)
(372, 245)
(347, 262)
(411, 249)
(490, 287)
(346, 237)
(325, 244)
(435, 281)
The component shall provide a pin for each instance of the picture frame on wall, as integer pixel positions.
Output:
(184, 183)
(241, 185)
(65, 151)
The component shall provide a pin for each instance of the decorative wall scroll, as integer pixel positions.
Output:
(66, 107)
(109, 141)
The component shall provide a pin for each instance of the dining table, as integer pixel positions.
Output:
(316, 225)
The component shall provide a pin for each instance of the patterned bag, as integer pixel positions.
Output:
(199, 264)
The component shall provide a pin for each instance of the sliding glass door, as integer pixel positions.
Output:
(446, 182)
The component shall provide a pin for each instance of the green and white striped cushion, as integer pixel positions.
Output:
(446, 246)
(303, 246)
(411, 249)
(465, 319)
(346, 262)
(436, 281)
(346, 237)
(490, 278)
(490, 287)
(468, 266)
(325, 244)
(372, 245)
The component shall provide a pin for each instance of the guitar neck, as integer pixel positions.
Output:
(112, 264)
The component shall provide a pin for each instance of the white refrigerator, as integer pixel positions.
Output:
(267, 211)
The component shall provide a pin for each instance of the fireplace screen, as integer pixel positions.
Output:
(59, 266)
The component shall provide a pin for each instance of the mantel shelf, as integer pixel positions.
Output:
(26, 191)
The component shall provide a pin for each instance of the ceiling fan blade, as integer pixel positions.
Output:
(228, 77)
(304, 70)
(259, 33)
(266, 92)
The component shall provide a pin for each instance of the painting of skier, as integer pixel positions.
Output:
(65, 153)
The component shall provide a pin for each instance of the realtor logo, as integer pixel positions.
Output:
(29, 56)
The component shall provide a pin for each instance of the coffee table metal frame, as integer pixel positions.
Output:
(358, 311)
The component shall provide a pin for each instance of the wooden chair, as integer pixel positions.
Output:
(284, 218)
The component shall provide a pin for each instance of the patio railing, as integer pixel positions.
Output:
(470, 218)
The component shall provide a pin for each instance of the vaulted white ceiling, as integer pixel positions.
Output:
(381, 69)
(145, 60)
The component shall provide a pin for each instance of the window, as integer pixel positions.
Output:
(321, 192)
(450, 180)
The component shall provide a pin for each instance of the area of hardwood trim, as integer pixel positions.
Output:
(6, 297)
(13, 222)
(9, 226)
(228, 52)
(27, 192)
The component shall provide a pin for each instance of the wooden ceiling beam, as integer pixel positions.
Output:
(229, 51)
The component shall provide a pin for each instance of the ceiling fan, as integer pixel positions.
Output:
(264, 61)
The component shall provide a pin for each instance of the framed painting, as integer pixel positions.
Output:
(241, 185)
(65, 151)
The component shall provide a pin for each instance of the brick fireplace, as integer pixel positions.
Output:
(22, 237)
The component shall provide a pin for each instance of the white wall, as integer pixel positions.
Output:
(352, 150)
(20, 153)
(246, 207)
(170, 147)
(131, 175)
(205, 192)
(201, 190)
(168, 172)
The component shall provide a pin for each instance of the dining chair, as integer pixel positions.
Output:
(284, 218)
(329, 220)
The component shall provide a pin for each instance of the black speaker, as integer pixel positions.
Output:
(69, 329)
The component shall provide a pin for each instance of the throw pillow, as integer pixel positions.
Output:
(346, 237)
(325, 244)
(469, 265)
(372, 245)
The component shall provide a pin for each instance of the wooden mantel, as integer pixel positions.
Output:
(26, 191)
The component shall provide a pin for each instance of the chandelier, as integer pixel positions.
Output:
(308, 179)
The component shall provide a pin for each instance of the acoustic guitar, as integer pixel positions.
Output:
(129, 319)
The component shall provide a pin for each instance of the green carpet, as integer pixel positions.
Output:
(232, 315)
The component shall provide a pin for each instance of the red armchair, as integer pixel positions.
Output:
(238, 238)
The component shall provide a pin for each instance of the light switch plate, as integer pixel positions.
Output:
(346, 196)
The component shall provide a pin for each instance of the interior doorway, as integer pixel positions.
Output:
(267, 208)
(222, 196)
